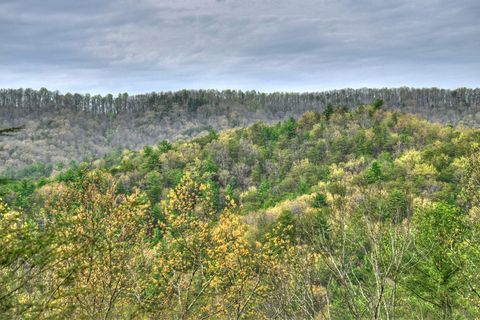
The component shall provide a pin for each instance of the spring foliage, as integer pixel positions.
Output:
(342, 215)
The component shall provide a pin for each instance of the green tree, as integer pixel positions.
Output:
(435, 280)
(319, 201)
(328, 111)
(377, 104)
(374, 173)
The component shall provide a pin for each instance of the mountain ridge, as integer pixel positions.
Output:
(59, 128)
(30, 99)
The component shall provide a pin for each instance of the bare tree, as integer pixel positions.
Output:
(8, 131)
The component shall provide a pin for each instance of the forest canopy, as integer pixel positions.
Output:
(59, 128)
(339, 214)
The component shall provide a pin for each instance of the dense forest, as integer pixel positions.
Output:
(59, 128)
(340, 213)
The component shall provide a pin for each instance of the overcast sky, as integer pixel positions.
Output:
(101, 46)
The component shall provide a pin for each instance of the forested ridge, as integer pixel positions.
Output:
(345, 213)
(59, 127)
(277, 102)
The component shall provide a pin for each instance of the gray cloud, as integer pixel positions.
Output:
(145, 45)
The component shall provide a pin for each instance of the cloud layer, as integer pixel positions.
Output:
(152, 45)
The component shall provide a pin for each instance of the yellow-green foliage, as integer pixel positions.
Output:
(343, 215)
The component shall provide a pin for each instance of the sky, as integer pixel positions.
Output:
(136, 46)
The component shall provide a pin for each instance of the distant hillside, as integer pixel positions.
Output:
(64, 127)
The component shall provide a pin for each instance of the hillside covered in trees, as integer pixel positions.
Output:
(59, 128)
(345, 213)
